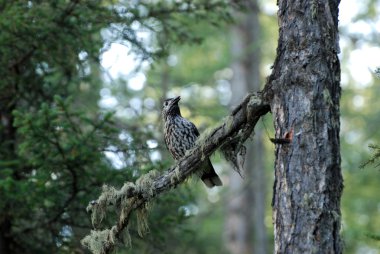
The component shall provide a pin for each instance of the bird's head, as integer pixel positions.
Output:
(170, 107)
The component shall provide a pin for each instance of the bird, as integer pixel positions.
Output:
(180, 135)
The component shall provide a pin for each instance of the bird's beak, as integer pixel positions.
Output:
(176, 99)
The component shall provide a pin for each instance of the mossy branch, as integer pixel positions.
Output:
(229, 135)
(375, 158)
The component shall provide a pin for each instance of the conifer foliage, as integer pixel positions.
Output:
(52, 134)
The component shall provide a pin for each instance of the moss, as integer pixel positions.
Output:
(202, 140)
(100, 240)
(122, 194)
(254, 100)
(125, 211)
(127, 187)
(235, 154)
(203, 157)
(98, 210)
(142, 220)
(190, 180)
(97, 241)
(229, 123)
(145, 184)
(175, 175)
(127, 240)
(112, 235)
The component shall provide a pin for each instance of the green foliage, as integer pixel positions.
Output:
(359, 139)
(59, 160)
(374, 237)
(55, 143)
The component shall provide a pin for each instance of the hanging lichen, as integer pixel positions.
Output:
(234, 151)
(97, 241)
(126, 210)
(142, 220)
(122, 195)
(125, 201)
(98, 208)
(145, 184)
(126, 237)
(235, 154)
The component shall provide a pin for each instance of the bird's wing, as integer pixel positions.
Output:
(194, 129)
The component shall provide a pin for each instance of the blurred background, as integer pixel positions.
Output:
(80, 106)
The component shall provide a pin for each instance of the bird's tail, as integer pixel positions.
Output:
(209, 176)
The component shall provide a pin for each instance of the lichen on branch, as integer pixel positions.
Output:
(230, 135)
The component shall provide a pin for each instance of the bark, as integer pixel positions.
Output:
(304, 90)
(245, 229)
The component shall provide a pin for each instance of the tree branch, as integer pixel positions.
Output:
(229, 135)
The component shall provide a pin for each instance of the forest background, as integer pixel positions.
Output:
(81, 95)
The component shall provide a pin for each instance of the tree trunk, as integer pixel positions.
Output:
(245, 228)
(304, 94)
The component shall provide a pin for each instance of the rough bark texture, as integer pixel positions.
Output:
(304, 90)
(245, 230)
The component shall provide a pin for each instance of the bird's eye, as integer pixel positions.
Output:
(166, 103)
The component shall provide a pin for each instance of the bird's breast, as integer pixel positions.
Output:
(179, 136)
